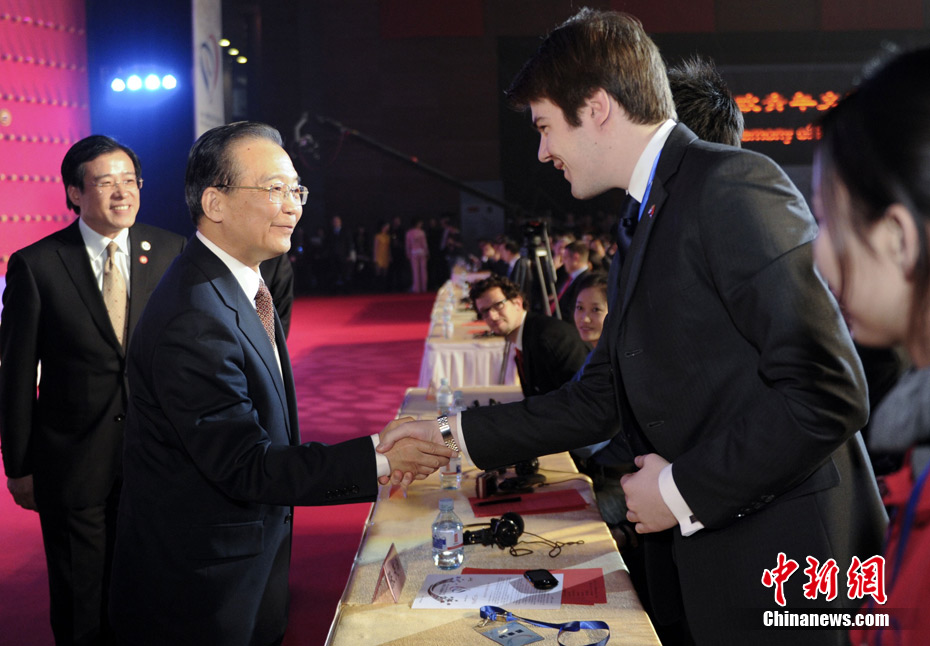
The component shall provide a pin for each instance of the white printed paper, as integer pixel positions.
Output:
(510, 591)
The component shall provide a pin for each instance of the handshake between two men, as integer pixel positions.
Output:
(414, 449)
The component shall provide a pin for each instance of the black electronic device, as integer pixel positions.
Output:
(541, 579)
(503, 532)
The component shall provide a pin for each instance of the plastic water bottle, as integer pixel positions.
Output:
(448, 545)
(447, 326)
(445, 398)
(450, 476)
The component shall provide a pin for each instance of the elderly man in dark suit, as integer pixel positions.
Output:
(547, 351)
(213, 456)
(71, 303)
(724, 360)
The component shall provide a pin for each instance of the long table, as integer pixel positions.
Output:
(405, 522)
(466, 358)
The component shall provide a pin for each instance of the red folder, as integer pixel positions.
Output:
(582, 586)
(538, 502)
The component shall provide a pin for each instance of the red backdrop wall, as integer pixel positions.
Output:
(43, 110)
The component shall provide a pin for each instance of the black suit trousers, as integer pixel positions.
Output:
(79, 549)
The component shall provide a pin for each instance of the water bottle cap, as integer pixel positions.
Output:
(446, 504)
(443, 382)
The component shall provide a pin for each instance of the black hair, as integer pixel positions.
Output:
(210, 163)
(87, 150)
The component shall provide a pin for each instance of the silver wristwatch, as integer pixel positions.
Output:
(446, 431)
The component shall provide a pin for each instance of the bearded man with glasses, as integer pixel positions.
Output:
(546, 351)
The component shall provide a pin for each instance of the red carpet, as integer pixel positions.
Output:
(353, 357)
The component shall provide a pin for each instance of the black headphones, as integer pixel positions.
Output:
(503, 532)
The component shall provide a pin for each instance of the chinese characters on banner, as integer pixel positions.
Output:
(863, 578)
(775, 103)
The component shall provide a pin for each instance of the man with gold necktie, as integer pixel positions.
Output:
(71, 302)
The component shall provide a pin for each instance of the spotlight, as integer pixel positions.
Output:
(224, 42)
(169, 82)
(134, 82)
(242, 59)
(233, 51)
(152, 82)
(118, 85)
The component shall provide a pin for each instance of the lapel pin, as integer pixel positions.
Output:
(652, 210)
(143, 260)
(146, 245)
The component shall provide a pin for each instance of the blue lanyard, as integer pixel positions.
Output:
(652, 175)
(490, 613)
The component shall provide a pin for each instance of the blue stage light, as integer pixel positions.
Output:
(152, 82)
(134, 82)
(118, 85)
(169, 82)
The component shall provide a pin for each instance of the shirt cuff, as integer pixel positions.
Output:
(460, 438)
(676, 503)
(381, 461)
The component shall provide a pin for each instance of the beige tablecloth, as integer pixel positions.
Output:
(406, 522)
(465, 358)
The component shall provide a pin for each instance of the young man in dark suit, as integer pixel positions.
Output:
(548, 352)
(575, 261)
(724, 360)
(62, 447)
(213, 454)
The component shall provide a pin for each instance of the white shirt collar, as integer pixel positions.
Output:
(96, 244)
(643, 168)
(247, 277)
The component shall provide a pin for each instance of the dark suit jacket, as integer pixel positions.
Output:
(552, 353)
(71, 437)
(567, 301)
(725, 353)
(213, 462)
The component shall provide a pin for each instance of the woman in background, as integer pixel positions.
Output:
(591, 306)
(417, 253)
(382, 254)
(872, 200)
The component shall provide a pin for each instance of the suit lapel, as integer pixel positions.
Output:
(73, 255)
(288, 375)
(139, 276)
(672, 152)
(248, 321)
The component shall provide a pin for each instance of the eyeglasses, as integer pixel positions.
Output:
(497, 307)
(124, 185)
(277, 193)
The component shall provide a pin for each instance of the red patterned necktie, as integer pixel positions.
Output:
(518, 359)
(265, 309)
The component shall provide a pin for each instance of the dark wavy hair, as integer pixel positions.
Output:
(507, 286)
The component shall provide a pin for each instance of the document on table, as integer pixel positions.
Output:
(476, 590)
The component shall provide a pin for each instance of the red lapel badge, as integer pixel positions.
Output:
(652, 210)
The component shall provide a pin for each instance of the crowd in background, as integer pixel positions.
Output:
(340, 258)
